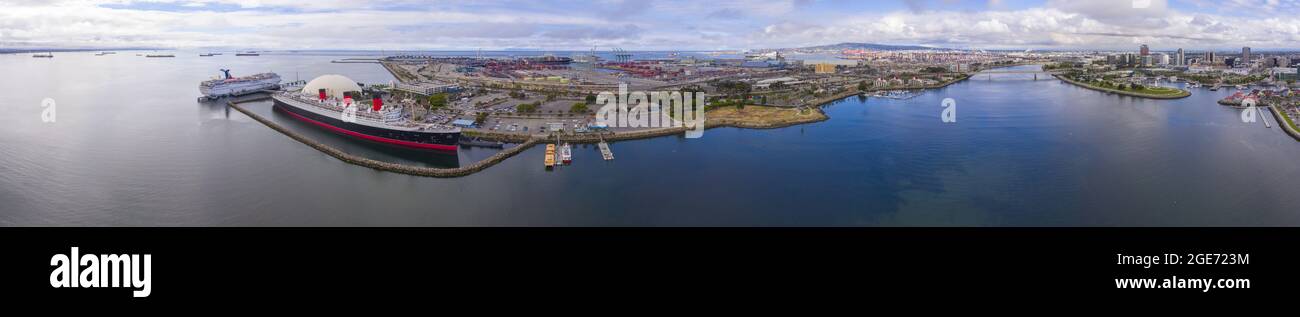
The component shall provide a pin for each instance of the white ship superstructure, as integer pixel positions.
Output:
(235, 86)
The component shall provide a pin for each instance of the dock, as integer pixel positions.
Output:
(604, 151)
(1261, 116)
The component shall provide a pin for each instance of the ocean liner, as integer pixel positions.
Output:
(327, 102)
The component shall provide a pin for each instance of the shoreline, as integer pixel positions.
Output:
(1285, 123)
(527, 141)
(381, 165)
(815, 105)
(1182, 95)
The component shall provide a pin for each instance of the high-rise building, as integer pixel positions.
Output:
(1245, 55)
(1181, 60)
(1209, 58)
(1164, 59)
(1145, 51)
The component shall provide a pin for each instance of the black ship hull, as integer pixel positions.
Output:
(446, 141)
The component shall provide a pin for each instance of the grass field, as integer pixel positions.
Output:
(760, 116)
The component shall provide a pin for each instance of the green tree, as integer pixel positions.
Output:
(437, 101)
(480, 118)
(862, 85)
(578, 107)
(528, 107)
(591, 99)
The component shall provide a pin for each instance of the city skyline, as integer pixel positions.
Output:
(1194, 25)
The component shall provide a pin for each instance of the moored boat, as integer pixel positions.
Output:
(549, 159)
(333, 102)
(566, 154)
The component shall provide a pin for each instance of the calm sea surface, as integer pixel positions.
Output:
(132, 147)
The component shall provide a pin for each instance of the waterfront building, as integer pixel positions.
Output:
(1284, 73)
(1164, 59)
(1144, 50)
(1180, 60)
(824, 68)
(1245, 56)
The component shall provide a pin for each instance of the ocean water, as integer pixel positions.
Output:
(132, 147)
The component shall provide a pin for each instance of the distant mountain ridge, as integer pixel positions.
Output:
(868, 46)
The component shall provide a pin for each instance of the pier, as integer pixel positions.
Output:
(604, 150)
(1261, 115)
(381, 165)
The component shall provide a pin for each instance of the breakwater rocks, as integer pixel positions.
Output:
(577, 138)
(402, 75)
(644, 134)
(1182, 94)
(386, 166)
(1286, 126)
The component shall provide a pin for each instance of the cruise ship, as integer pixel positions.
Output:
(227, 86)
(327, 101)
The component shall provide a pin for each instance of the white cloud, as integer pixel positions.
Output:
(661, 24)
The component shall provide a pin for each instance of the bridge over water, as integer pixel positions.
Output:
(1035, 72)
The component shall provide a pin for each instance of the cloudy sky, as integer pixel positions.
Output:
(648, 24)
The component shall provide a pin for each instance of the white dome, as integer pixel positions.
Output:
(334, 86)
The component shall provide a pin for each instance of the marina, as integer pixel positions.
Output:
(893, 94)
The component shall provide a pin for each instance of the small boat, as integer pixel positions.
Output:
(205, 55)
(549, 160)
(566, 154)
(1241, 87)
(46, 55)
(159, 55)
(248, 54)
